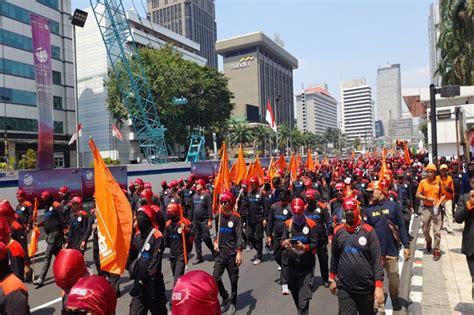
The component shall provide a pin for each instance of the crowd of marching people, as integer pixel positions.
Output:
(359, 209)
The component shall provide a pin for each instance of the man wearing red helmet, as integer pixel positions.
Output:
(53, 224)
(15, 250)
(173, 196)
(176, 226)
(17, 231)
(280, 212)
(202, 221)
(228, 246)
(187, 196)
(79, 226)
(335, 204)
(139, 186)
(297, 187)
(356, 272)
(64, 198)
(24, 210)
(256, 219)
(300, 241)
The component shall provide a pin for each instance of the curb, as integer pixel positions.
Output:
(415, 282)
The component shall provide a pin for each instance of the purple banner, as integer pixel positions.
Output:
(118, 172)
(44, 85)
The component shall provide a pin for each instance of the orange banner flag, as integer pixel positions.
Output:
(325, 161)
(298, 160)
(383, 170)
(233, 172)
(250, 171)
(33, 246)
(114, 217)
(272, 170)
(222, 182)
(258, 170)
(407, 153)
(309, 161)
(241, 169)
(293, 167)
(281, 162)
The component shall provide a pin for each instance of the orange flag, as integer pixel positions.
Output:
(33, 246)
(407, 153)
(250, 171)
(233, 172)
(114, 217)
(325, 161)
(222, 182)
(298, 161)
(258, 170)
(241, 169)
(293, 167)
(383, 170)
(272, 168)
(281, 162)
(309, 161)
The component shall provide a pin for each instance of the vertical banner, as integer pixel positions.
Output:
(44, 83)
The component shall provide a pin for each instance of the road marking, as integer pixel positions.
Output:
(419, 254)
(420, 241)
(415, 296)
(59, 299)
(417, 281)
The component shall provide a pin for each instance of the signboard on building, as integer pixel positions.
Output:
(244, 62)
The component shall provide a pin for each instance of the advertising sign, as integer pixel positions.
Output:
(118, 172)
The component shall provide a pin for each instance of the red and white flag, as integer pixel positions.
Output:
(116, 132)
(270, 118)
(75, 135)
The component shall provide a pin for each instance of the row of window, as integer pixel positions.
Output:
(17, 13)
(50, 3)
(20, 69)
(25, 97)
(23, 42)
(26, 125)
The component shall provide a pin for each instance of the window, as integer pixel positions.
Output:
(18, 96)
(50, 3)
(57, 102)
(8, 66)
(17, 13)
(58, 159)
(26, 125)
(56, 77)
(56, 52)
(58, 127)
(22, 42)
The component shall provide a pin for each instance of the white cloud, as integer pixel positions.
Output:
(416, 78)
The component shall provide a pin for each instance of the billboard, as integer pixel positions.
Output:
(118, 172)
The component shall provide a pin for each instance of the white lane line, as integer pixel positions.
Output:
(59, 299)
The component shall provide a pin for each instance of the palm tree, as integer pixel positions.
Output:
(240, 133)
(262, 134)
(284, 136)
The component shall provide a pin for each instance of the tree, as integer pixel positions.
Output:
(170, 76)
(240, 133)
(357, 143)
(423, 127)
(284, 136)
(28, 160)
(456, 42)
(262, 134)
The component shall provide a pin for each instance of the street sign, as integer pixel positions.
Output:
(179, 100)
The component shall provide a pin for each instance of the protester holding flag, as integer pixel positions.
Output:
(79, 225)
(24, 210)
(256, 220)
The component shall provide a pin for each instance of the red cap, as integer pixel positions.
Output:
(21, 193)
(297, 206)
(311, 194)
(93, 293)
(267, 179)
(358, 172)
(196, 293)
(69, 266)
(180, 181)
(228, 196)
(173, 208)
(45, 195)
(131, 187)
(254, 180)
(76, 199)
(147, 185)
(400, 173)
(149, 213)
(6, 209)
(4, 230)
(244, 182)
(349, 203)
(3, 251)
(173, 184)
(308, 183)
(280, 172)
(63, 190)
(139, 181)
(164, 183)
(340, 186)
(201, 182)
(147, 194)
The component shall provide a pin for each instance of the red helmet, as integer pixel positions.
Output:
(21, 193)
(69, 266)
(358, 172)
(147, 194)
(45, 195)
(244, 182)
(164, 183)
(139, 181)
(308, 183)
(148, 211)
(6, 210)
(190, 178)
(180, 181)
(254, 180)
(297, 206)
(173, 184)
(131, 187)
(147, 185)
(400, 173)
(201, 182)
(267, 179)
(63, 190)
(4, 230)
(311, 194)
(76, 199)
(173, 209)
(349, 203)
(228, 196)
(281, 172)
(340, 186)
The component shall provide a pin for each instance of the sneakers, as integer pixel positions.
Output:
(284, 289)
(326, 284)
(279, 268)
(231, 310)
(396, 303)
(38, 282)
(428, 246)
(451, 232)
(225, 304)
(436, 255)
(257, 262)
(247, 248)
(198, 261)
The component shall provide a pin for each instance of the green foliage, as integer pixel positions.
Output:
(28, 160)
(169, 76)
(107, 161)
(423, 127)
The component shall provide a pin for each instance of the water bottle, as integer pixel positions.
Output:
(435, 210)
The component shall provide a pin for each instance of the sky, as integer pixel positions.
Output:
(333, 40)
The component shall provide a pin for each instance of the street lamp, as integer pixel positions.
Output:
(445, 91)
(78, 19)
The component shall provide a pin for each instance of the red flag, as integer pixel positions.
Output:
(76, 135)
(269, 117)
(114, 217)
(116, 132)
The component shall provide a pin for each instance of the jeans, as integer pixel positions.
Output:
(429, 217)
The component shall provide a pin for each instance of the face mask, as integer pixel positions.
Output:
(174, 218)
(350, 218)
(299, 219)
(143, 222)
(267, 187)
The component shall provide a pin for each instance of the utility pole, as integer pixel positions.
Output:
(434, 132)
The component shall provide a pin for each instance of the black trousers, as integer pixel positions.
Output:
(201, 233)
(323, 259)
(177, 267)
(54, 242)
(221, 265)
(470, 265)
(278, 254)
(353, 304)
(141, 305)
(255, 237)
(300, 284)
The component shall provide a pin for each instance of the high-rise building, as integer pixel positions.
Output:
(389, 96)
(316, 110)
(93, 65)
(18, 104)
(193, 19)
(259, 70)
(433, 35)
(357, 112)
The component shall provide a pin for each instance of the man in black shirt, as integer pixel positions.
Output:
(202, 221)
(256, 220)
(228, 246)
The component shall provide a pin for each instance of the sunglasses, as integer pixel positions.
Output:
(430, 172)
(339, 190)
(225, 202)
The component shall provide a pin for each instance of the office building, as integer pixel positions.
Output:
(357, 112)
(93, 65)
(316, 110)
(193, 19)
(433, 34)
(18, 103)
(259, 70)
(389, 97)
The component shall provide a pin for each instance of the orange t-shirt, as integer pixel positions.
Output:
(429, 190)
(447, 182)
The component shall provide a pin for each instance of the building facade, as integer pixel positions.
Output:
(316, 110)
(259, 70)
(18, 104)
(193, 19)
(357, 112)
(389, 97)
(93, 65)
(433, 35)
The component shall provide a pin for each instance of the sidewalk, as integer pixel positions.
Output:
(443, 287)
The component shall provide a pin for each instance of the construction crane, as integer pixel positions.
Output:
(136, 96)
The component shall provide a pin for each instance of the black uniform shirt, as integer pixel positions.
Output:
(230, 234)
